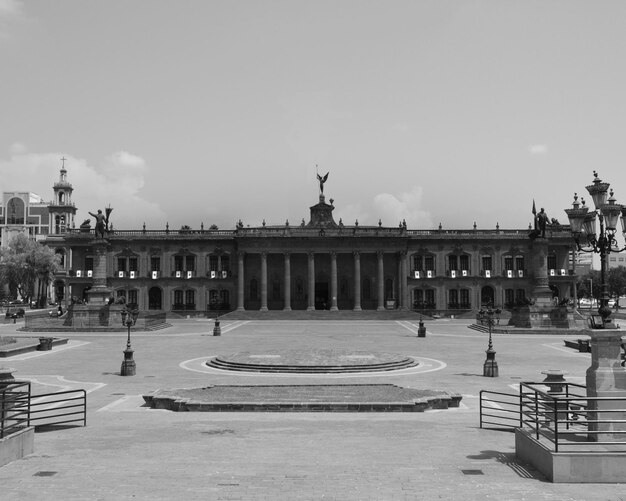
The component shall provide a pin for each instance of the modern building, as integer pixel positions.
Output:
(22, 212)
(616, 259)
(319, 264)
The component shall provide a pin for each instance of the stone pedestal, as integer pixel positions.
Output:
(542, 313)
(606, 378)
(99, 294)
(6, 376)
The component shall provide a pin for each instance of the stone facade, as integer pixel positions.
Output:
(319, 265)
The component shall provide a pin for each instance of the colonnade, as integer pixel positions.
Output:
(401, 274)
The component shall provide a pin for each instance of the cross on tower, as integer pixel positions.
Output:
(63, 159)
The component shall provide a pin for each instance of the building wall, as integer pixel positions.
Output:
(400, 286)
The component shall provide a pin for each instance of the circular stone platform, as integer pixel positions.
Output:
(312, 361)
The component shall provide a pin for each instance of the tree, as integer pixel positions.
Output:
(587, 282)
(616, 280)
(26, 265)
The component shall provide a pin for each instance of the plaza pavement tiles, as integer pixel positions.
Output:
(129, 451)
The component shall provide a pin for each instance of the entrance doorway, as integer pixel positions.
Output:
(321, 296)
(155, 298)
(487, 296)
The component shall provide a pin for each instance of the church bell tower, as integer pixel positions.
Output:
(62, 210)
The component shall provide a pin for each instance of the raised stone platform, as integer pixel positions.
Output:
(302, 398)
(312, 361)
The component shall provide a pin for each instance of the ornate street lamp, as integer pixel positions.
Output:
(129, 317)
(603, 242)
(490, 367)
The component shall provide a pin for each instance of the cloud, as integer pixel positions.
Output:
(10, 8)
(116, 181)
(538, 149)
(392, 209)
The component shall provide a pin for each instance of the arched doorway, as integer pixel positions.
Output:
(155, 298)
(487, 296)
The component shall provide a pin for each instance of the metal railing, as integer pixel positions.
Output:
(20, 409)
(61, 407)
(300, 230)
(14, 407)
(571, 420)
(499, 410)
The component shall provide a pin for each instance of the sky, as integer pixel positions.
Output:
(207, 112)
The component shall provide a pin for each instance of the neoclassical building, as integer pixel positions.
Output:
(319, 264)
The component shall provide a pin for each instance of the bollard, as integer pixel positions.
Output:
(216, 330)
(421, 330)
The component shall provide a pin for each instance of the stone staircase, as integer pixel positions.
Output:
(323, 315)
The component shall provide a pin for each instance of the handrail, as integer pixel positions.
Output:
(507, 417)
(14, 407)
(571, 420)
(44, 409)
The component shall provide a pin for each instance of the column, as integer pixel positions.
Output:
(311, 305)
(287, 286)
(357, 281)
(263, 281)
(240, 282)
(381, 281)
(333, 281)
(400, 281)
(404, 286)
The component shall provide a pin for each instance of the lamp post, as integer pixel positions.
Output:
(603, 242)
(129, 317)
(490, 367)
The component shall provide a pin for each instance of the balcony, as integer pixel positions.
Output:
(457, 273)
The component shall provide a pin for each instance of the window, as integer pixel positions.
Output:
(121, 293)
(132, 264)
(89, 263)
(155, 263)
(519, 262)
(552, 261)
(178, 263)
(418, 263)
(508, 263)
(487, 264)
(424, 263)
(225, 263)
(225, 297)
(429, 263)
(465, 298)
(453, 298)
(509, 297)
(212, 262)
(178, 300)
(429, 296)
(520, 295)
(190, 263)
(15, 211)
(121, 264)
(464, 262)
(190, 299)
(452, 263)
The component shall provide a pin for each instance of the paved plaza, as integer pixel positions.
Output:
(128, 451)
